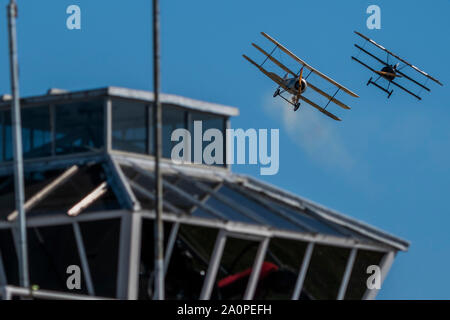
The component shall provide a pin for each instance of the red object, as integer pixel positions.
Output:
(266, 269)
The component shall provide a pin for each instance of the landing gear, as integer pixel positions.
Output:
(277, 92)
(369, 82)
(296, 106)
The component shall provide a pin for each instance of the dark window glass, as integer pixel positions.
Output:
(6, 196)
(51, 250)
(147, 262)
(9, 256)
(280, 270)
(79, 126)
(173, 118)
(235, 269)
(208, 121)
(1, 135)
(189, 263)
(65, 196)
(325, 272)
(62, 198)
(7, 136)
(129, 126)
(101, 241)
(36, 132)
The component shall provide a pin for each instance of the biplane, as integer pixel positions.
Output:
(294, 83)
(391, 71)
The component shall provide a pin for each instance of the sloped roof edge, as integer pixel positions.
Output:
(335, 216)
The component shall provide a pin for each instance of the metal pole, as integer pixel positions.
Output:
(159, 232)
(347, 274)
(303, 270)
(17, 146)
(83, 258)
(214, 264)
(254, 277)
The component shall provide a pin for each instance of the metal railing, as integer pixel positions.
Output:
(9, 292)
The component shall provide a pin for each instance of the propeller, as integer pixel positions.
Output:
(297, 97)
(300, 79)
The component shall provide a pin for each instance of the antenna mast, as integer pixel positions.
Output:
(17, 147)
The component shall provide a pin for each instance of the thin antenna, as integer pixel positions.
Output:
(17, 147)
(159, 232)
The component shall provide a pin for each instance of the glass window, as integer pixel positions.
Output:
(325, 272)
(313, 223)
(144, 182)
(188, 263)
(7, 204)
(225, 210)
(79, 126)
(208, 121)
(280, 270)
(51, 250)
(65, 196)
(173, 118)
(1, 135)
(36, 132)
(264, 214)
(235, 269)
(101, 241)
(129, 126)
(304, 218)
(147, 258)
(9, 255)
(7, 150)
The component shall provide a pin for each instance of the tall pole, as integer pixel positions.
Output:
(159, 232)
(17, 147)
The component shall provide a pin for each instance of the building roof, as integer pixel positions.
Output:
(59, 96)
(261, 192)
(346, 226)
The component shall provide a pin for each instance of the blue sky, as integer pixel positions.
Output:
(386, 163)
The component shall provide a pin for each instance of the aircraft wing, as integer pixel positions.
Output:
(396, 56)
(283, 48)
(278, 80)
(336, 101)
(286, 69)
(406, 90)
(319, 108)
(278, 63)
(275, 78)
(394, 83)
(384, 63)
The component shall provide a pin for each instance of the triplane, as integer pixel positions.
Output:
(296, 85)
(391, 71)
